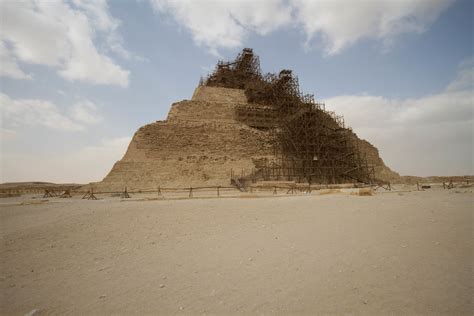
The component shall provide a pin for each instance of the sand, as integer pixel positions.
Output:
(400, 253)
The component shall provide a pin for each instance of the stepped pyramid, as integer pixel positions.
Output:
(242, 124)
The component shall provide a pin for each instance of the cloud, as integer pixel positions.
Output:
(227, 23)
(16, 113)
(86, 112)
(61, 35)
(33, 112)
(99, 15)
(90, 163)
(465, 78)
(431, 135)
(9, 66)
(341, 26)
(6, 134)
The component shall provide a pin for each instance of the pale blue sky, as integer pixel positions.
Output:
(80, 77)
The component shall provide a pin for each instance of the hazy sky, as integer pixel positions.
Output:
(79, 77)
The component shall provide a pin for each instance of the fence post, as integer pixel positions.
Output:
(191, 192)
(66, 194)
(125, 194)
(92, 196)
(159, 192)
(86, 195)
(218, 194)
(275, 190)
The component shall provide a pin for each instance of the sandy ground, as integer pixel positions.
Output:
(400, 253)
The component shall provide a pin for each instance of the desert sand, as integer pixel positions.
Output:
(399, 253)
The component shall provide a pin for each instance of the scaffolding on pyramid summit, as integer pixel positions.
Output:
(310, 143)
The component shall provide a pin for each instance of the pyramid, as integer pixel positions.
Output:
(240, 124)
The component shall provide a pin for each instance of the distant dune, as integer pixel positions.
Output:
(18, 188)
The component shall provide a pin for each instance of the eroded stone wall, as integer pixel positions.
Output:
(382, 172)
(198, 144)
(215, 94)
